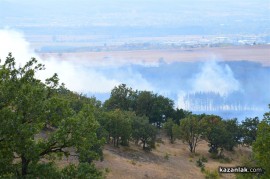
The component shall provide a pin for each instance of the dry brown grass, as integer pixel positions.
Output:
(167, 161)
(134, 163)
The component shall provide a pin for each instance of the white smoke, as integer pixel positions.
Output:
(215, 78)
(13, 41)
(78, 77)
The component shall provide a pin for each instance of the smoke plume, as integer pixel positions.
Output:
(77, 76)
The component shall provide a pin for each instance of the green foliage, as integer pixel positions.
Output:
(249, 129)
(247, 176)
(262, 144)
(122, 98)
(211, 175)
(233, 134)
(219, 134)
(118, 125)
(166, 156)
(191, 131)
(212, 132)
(107, 170)
(224, 159)
(168, 126)
(204, 159)
(144, 103)
(38, 123)
(82, 171)
(176, 131)
(248, 161)
(144, 132)
(180, 114)
(200, 163)
(156, 107)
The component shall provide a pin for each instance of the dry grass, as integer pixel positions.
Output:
(134, 163)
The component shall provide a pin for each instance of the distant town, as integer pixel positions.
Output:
(86, 43)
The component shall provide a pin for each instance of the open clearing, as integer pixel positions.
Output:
(134, 163)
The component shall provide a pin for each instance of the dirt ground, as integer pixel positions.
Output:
(134, 163)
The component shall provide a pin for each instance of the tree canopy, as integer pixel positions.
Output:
(37, 124)
(191, 131)
(262, 144)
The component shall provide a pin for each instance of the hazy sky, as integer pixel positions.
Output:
(143, 13)
(115, 16)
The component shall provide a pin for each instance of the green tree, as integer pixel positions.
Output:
(220, 134)
(249, 129)
(214, 132)
(180, 114)
(156, 107)
(27, 105)
(144, 103)
(144, 132)
(76, 100)
(190, 131)
(233, 134)
(262, 144)
(122, 98)
(162, 110)
(176, 131)
(168, 126)
(118, 125)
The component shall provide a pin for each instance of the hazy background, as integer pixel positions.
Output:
(137, 17)
(228, 88)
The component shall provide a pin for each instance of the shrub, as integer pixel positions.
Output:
(166, 156)
(199, 163)
(133, 162)
(107, 170)
(211, 175)
(225, 160)
(204, 159)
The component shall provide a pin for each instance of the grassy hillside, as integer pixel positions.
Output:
(166, 161)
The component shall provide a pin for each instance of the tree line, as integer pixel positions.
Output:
(42, 122)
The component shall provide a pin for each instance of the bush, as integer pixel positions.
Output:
(199, 163)
(203, 169)
(211, 175)
(204, 159)
(166, 156)
(221, 158)
(83, 170)
(214, 156)
(133, 162)
(225, 160)
(107, 170)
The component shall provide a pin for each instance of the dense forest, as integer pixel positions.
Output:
(43, 122)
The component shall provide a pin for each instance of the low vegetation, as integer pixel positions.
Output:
(44, 122)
